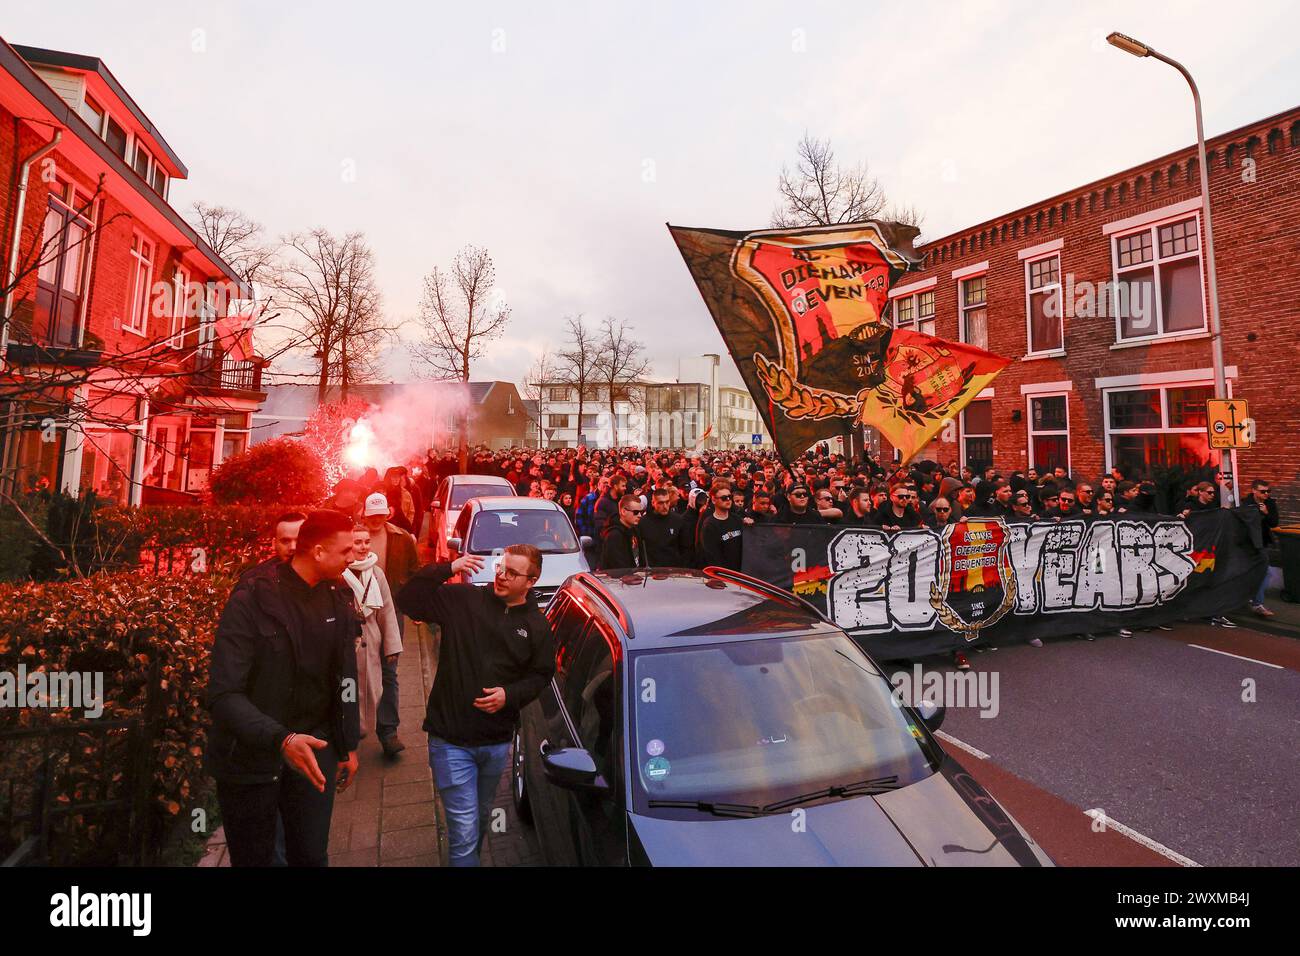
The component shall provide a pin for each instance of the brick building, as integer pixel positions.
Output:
(1100, 297)
(128, 366)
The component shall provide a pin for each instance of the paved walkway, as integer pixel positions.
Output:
(391, 815)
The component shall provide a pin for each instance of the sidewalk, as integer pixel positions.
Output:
(1284, 623)
(390, 816)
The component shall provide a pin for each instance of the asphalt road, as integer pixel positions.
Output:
(1154, 732)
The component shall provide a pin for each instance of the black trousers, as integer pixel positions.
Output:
(249, 812)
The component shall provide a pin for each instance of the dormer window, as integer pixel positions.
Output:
(115, 137)
(93, 114)
(142, 162)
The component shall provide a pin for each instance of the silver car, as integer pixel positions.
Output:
(450, 498)
(486, 526)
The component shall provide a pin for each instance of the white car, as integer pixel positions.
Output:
(450, 498)
(487, 525)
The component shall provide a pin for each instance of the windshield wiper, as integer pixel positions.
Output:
(879, 785)
(717, 809)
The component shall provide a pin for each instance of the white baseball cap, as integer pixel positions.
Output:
(376, 504)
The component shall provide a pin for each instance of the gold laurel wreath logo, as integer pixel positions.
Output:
(800, 400)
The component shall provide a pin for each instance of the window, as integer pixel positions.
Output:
(115, 137)
(558, 394)
(1043, 299)
(93, 114)
(977, 434)
(60, 277)
(142, 162)
(590, 421)
(207, 322)
(915, 312)
(1158, 275)
(180, 299)
(1157, 427)
(559, 421)
(142, 266)
(974, 312)
(1049, 432)
(106, 459)
(159, 181)
(622, 393)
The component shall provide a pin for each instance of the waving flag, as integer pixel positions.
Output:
(804, 314)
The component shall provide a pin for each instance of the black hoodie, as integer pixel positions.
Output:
(484, 644)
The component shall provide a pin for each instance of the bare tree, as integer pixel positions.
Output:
(821, 192)
(579, 362)
(329, 284)
(236, 238)
(461, 312)
(541, 374)
(620, 361)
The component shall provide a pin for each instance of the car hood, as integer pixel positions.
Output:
(938, 821)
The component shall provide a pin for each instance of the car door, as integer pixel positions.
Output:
(545, 723)
(592, 697)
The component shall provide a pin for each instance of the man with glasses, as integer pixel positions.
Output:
(1022, 508)
(797, 508)
(661, 529)
(1106, 503)
(623, 545)
(720, 535)
(1084, 496)
(1261, 497)
(940, 513)
(900, 511)
(495, 656)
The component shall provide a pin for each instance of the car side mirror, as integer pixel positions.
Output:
(573, 769)
(585, 541)
(435, 503)
(932, 714)
(453, 544)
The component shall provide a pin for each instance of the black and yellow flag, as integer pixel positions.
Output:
(804, 314)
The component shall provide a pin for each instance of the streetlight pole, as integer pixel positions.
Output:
(1138, 48)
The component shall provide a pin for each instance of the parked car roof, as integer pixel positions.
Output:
(666, 607)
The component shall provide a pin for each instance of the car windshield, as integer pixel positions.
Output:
(462, 493)
(756, 722)
(547, 530)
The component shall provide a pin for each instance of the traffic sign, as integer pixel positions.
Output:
(756, 440)
(1227, 421)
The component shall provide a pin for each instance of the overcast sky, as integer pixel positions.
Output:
(563, 135)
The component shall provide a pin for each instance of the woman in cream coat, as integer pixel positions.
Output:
(379, 634)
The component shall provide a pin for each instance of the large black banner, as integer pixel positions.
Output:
(919, 592)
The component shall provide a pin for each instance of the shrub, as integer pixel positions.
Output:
(279, 471)
(130, 628)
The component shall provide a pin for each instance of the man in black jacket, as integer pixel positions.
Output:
(623, 546)
(1261, 498)
(721, 532)
(662, 531)
(282, 691)
(495, 657)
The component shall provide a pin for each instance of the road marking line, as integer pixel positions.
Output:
(1278, 667)
(966, 747)
(1136, 837)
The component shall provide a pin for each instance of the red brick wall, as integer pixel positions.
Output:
(1257, 246)
(112, 266)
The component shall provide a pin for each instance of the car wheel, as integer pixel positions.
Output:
(518, 787)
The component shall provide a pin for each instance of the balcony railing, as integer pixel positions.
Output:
(216, 369)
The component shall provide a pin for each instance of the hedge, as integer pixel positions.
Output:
(125, 626)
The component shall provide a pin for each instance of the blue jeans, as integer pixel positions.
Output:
(467, 779)
(1259, 595)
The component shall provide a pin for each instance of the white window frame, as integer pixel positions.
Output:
(1153, 227)
(962, 307)
(138, 305)
(978, 398)
(1053, 433)
(916, 323)
(1030, 351)
(1163, 387)
(207, 321)
(180, 303)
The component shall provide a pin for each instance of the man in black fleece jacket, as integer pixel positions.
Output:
(496, 656)
(623, 546)
(284, 726)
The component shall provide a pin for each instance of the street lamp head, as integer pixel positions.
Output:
(1128, 44)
